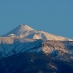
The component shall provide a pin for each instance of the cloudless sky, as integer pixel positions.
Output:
(53, 16)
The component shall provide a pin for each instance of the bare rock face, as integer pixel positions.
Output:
(34, 63)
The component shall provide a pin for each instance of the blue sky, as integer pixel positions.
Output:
(53, 16)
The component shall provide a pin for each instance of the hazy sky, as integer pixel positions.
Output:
(53, 16)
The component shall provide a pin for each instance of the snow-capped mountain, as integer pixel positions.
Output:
(24, 31)
(25, 50)
(15, 45)
(24, 38)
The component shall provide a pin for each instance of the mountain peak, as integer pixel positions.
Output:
(25, 27)
(24, 31)
(20, 30)
(22, 25)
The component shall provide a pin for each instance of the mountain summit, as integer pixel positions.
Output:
(20, 29)
(24, 31)
(21, 52)
(25, 27)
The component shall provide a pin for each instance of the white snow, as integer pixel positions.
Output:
(24, 38)
(24, 31)
(10, 45)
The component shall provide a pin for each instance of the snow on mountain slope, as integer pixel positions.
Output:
(15, 45)
(27, 50)
(25, 39)
(24, 31)
(10, 45)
